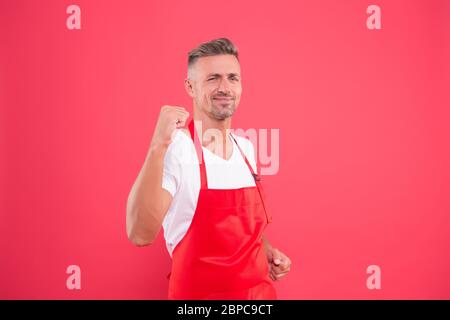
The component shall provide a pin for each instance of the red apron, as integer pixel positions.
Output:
(222, 255)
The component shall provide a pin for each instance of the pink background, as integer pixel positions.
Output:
(364, 126)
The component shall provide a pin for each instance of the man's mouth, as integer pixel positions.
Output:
(223, 99)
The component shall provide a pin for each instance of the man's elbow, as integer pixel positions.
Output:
(139, 237)
(140, 241)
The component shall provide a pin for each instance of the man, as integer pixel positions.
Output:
(205, 192)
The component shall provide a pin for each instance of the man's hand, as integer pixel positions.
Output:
(279, 263)
(170, 118)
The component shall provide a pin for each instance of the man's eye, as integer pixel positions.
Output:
(211, 79)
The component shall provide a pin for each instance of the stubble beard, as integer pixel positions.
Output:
(222, 111)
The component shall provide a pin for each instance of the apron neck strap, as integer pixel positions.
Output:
(203, 177)
(199, 151)
(198, 148)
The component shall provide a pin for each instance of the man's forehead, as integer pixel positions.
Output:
(227, 74)
(221, 64)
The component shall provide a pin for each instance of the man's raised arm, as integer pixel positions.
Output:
(148, 202)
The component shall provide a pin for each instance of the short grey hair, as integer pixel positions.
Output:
(212, 48)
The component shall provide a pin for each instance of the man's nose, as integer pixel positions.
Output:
(224, 86)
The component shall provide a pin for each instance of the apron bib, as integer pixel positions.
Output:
(222, 255)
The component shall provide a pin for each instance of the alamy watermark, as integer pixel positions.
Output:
(266, 144)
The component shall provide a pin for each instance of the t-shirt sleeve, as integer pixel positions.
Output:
(171, 171)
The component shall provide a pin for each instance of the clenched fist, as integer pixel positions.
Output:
(170, 118)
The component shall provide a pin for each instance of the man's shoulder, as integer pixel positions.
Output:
(247, 147)
(243, 142)
(181, 138)
(180, 145)
(185, 131)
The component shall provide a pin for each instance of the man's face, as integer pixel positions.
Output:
(215, 85)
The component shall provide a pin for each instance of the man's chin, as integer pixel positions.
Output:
(222, 113)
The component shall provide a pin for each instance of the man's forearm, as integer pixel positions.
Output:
(144, 207)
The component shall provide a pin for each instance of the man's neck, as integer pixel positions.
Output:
(222, 148)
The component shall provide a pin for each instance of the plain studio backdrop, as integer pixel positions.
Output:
(364, 150)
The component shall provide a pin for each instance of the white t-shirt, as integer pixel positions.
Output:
(181, 177)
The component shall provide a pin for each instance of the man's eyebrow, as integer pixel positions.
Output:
(219, 75)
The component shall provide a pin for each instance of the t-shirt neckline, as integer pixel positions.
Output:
(233, 153)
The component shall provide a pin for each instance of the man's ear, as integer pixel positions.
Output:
(188, 86)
